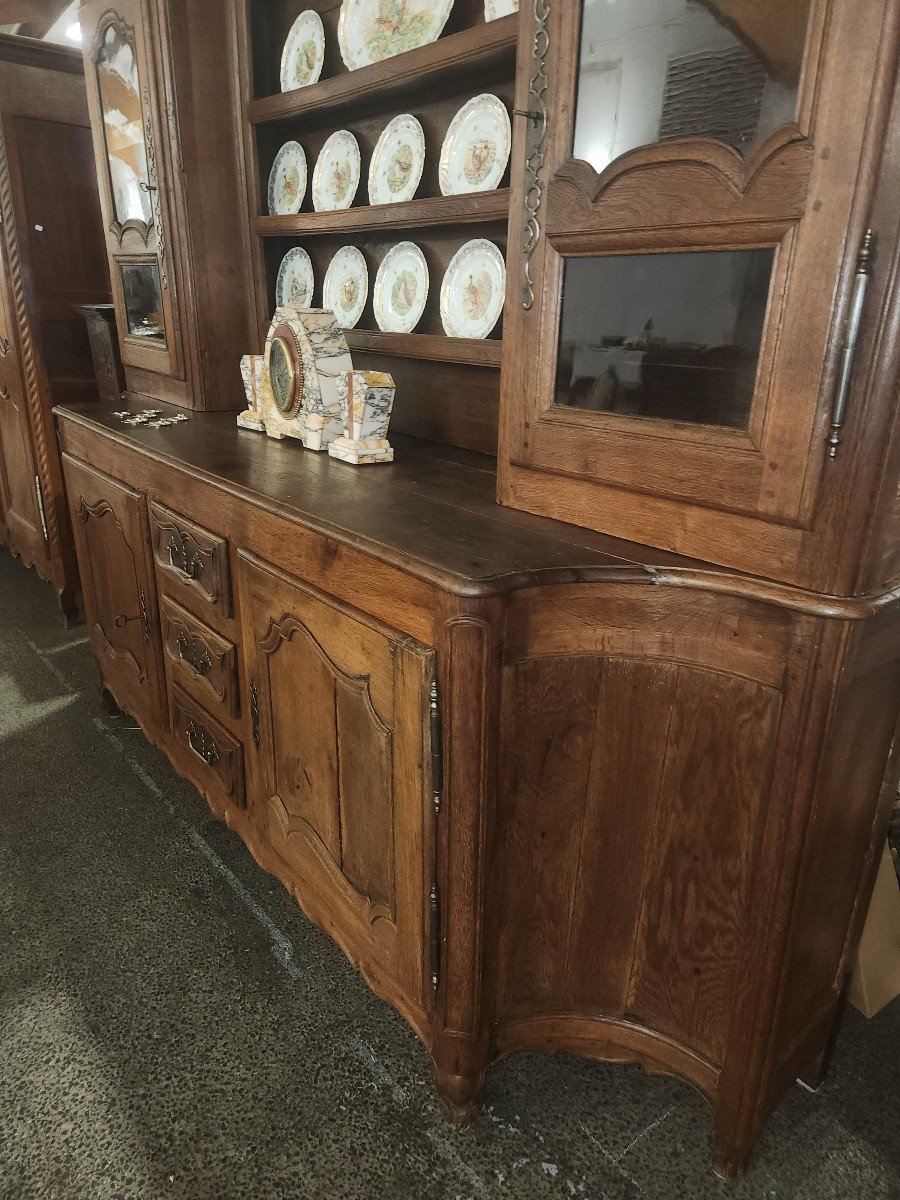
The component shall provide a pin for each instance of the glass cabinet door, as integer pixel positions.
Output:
(687, 241)
(124, 115)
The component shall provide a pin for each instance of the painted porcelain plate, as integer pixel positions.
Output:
(287, 180)
(499, 8)
(372, 30)
(473, 290)
(304, 52)
(336, 176)
(401, 289)
(476, 149)
(346, 286)
(397, 162)
(295, 282)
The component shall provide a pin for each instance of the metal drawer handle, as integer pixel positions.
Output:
(200, 664)
(202, 744)
(182, 560)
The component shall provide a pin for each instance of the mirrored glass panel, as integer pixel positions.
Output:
(123, 126)
(675, 337)
(653, 70)
(143, 300)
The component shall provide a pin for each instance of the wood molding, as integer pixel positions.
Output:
(29, 52)
(33, 394)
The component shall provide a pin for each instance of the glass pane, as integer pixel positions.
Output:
(123, 126)
(143, 300)
(652, 70)
(670, 336)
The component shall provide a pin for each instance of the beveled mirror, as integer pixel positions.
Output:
(124, 134)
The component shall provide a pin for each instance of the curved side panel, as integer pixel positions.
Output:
(609, 1041)
(635, 782)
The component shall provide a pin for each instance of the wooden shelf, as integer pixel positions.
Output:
(458, 58)
(434, 347)
(432, 210)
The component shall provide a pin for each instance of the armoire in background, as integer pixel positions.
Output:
(51, 260)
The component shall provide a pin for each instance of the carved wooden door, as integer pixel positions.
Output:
(112, 538)
(340, 711)
(689, 220)
(20, 511)
(122, 93)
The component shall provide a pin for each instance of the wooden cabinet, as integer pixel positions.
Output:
(51, 260)
(702, 266)
(341, 771)
(112, 536)
(547, 790)
(169, 187)
(551, 789)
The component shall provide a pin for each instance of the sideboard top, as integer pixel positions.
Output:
(432, 512)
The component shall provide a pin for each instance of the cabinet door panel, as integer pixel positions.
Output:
(112, 539)
(693, 215)
(338, 777)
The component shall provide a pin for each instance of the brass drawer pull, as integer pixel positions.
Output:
(200, 664)
(202, 744)
(181, 559)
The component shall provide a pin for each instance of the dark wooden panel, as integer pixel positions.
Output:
(699, 878)
(847, 805)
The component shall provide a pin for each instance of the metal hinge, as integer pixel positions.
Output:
(851, 339)
(437, 750)
(254, 713)
(435, 937)
(40, 500)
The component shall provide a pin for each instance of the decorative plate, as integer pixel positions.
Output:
(336, 176)
(295, 282)
(499, 8)
(397, 162)
(346, 286)
(401, 289)
(372, 30)
(287, 180)
(473, 290)
(304, 52)
(476, 149)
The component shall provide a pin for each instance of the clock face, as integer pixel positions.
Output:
(282, 376)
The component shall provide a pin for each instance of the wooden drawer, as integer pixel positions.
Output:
(199, 660)
(192, 562)
(212, 758)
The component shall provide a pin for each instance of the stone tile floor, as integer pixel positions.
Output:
(171, 1026)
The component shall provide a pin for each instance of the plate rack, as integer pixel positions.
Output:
(448, 389)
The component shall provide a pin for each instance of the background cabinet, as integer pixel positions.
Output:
(51, 260)
(160, 104)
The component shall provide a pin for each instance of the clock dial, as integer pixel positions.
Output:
(282, 376)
